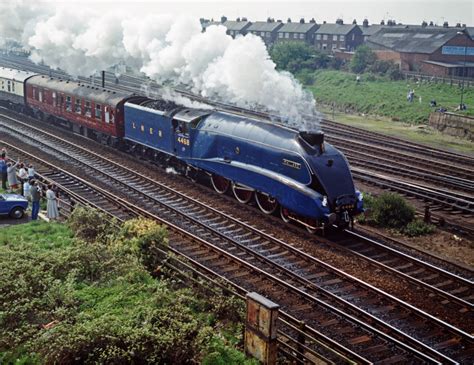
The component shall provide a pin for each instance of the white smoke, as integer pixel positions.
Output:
(171, 50)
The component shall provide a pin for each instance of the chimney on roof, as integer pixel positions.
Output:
(269, 20)
(223, 19)
(288, 20)
(365, 23)
(382, 22)
(339, 21)
(445, 25)
(354, 22)
(244, 19)
(431, 24)
(313, 21)
(458, 25)
(424, 24)
(464, 25)
(238, 19)
(324, 22)
(302, 21)
(279, 21)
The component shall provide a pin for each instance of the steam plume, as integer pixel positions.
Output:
(169, 50)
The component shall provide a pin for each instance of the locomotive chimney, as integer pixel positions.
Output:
(103, 79)
(315, 139)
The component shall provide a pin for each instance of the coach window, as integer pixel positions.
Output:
(78, 108)
(40, 95)
(151, 130)
(53, 94)
(88, 110)
(13, 86)
(34, 91)
(9, 86)
(68, 103)
(98, 111)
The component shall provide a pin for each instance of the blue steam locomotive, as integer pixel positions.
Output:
(308, 180)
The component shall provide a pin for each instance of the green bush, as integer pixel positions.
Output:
(71, 302)
(418, 228)
(91, 225)
(390, 210)
(363, 58)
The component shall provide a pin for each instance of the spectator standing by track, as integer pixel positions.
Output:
(3, 171)
(11, 172)
(31, 172)
(35, 193)
(52, 205)
(23, 175)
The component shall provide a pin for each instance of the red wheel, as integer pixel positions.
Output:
(266, 203)
(284, 214)
(242, 193)
(220, 184)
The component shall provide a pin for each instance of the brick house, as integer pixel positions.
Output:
(268, 30)
(438, 51)
(301, 32)
(330, 37)
(234, 27)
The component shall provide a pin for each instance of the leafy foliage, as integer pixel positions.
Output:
(297, 56)
(90, 224)
(362, 59)
(418, 228)
(76, 302)
(391, 210)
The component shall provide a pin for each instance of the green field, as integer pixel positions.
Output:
(379, 96)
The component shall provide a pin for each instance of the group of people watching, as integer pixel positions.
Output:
(21, 176)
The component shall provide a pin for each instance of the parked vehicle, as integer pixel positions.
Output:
(13, 205)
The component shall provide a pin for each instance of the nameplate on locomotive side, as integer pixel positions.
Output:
(292, 164)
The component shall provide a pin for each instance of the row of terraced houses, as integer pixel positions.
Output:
(427, 48)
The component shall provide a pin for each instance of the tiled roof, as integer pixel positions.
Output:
(298, 27)
(335, 28)
(264, 26)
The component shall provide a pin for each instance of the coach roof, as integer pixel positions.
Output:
(74, 88)
(12, 74)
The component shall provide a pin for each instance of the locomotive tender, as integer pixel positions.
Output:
(308, 180)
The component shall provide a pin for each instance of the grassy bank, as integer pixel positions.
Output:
(64, 300)
(416, 133)
(379, 96)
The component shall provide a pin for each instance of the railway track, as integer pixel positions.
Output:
(204, 222)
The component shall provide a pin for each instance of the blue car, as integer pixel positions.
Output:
(13, 205)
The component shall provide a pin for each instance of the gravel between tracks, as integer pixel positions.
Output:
(316, 246)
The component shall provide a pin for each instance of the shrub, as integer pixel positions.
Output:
(91, 225)
(392, 211)
(142, 237)
(362, 59)
(418, 228)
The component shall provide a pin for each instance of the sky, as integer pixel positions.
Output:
(404, 11)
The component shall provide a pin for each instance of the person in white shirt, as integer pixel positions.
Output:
(27, 190)
(31, 172)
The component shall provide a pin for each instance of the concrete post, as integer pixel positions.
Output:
(261, 329)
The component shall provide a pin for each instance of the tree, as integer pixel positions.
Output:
(291, 55)
(363, 57)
